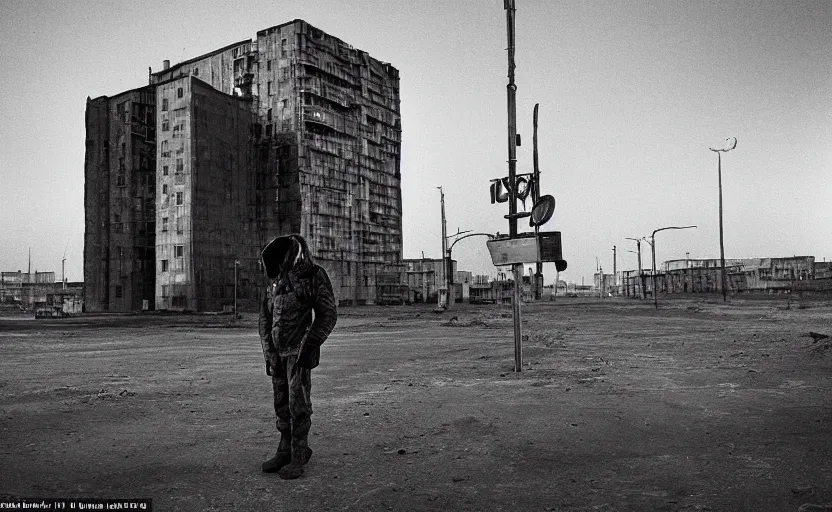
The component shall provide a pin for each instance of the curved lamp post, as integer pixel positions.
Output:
(640, 279)
(652, 243)
(730, 143)
(449, 282)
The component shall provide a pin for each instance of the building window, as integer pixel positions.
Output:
(165, 125)
(165, 290)
(164, 104)
(119, 292)
(268, 65)
(178, 198)
(284, 47)
(269, 115)
(180, 165)
(164, 224)
(178, 251)
(120, 181)
(165, 171)
(164, 265)
(269, 88)
(268, 130)
(179, 93)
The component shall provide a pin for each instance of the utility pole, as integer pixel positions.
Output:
(730, 145)
(444, 250)
(614, 267)
(511, 99)
(63, 264)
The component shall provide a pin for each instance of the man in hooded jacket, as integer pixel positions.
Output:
(297, 314)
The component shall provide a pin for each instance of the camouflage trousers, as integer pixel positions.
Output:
(292, 403)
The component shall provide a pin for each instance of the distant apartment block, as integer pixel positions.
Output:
(190, 176)
(794, 273)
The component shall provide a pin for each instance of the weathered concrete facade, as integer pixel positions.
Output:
(294, 132)
(119, 201)
(206, 198)
(425, 277)
(340, 108)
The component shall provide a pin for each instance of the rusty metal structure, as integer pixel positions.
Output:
(188, 177)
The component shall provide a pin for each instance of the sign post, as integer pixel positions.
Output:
(517, 249)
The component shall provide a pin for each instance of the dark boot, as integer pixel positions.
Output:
(281, 458)
(300, 456)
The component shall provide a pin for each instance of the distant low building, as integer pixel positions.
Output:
(742, 275)
(425, 278)
(30, 290)
(491, 292)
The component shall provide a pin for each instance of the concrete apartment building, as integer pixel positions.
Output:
(189, 177)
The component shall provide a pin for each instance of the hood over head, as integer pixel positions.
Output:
(284, 253)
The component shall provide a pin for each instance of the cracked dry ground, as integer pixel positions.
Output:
(696, 406)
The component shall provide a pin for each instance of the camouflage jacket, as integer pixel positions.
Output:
(297, 312)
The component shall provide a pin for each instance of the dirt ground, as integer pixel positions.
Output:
(697, 406)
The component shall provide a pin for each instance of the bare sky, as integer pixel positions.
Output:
(631, 96)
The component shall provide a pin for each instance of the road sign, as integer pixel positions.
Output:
(527, 248)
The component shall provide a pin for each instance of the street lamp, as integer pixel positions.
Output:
(449, 273)
(652, 243)
(730, 143)
(640, 277)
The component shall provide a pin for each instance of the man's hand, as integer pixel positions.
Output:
(271, 362)
(307, 357)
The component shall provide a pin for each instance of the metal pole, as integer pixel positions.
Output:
(444, 250)
(640, 276)
(511, 98)
(731, 143)
(557, 278)
(652, 243)
(538, 275)
(614, 267)
(721, 243)
(653, 250)
(515, 305)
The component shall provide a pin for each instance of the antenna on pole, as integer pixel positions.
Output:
(63, 262)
